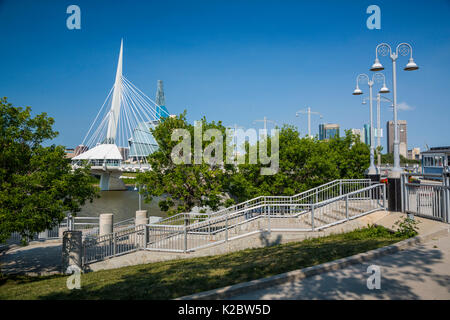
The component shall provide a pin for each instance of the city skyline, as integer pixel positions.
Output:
(235, 72)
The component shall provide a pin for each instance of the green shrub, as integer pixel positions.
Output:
(406, 227)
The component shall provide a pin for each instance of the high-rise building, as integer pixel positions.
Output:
(403, 142)
(328, 131)
(367, 134)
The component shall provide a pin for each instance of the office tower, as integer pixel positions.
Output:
(403, 142)
(367, 135)
(328, 131)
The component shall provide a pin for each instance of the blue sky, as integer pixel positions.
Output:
(234, 61)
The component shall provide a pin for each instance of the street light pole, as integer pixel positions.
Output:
(265, 120)
(385, 49)
(308, 112)
(235, 128)
(378, 130)
(379, 97)
(140, 207)
(139, 194)
(372, 168)
(370, 82)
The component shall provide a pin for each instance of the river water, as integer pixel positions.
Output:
(123, 204)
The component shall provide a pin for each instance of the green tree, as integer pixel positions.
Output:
(351, 156)
(37, 183)
(304, 163)
(388, 158)
(183, 186)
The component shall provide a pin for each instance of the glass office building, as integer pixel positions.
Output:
(328, 131)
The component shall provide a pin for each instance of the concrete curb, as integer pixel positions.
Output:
(241, 288)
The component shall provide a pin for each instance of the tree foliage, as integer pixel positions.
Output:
(388, 158)
(37, 184)
(183, 185)
(304, 163)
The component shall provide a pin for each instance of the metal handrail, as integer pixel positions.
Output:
(191, 237)
(263, 200)
(325, 202)
(244, 220)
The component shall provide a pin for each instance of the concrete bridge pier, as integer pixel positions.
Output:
(111, 181)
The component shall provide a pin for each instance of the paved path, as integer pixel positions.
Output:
(419, 272)
(36, 259)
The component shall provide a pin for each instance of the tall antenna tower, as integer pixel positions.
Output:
(161, 101)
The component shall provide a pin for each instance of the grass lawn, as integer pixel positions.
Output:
(176, 278)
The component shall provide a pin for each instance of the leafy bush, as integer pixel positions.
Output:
(406, 227)
(370, 232)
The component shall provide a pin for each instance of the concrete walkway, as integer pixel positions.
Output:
(38, 258)
(419, 272)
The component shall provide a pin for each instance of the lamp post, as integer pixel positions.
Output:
(235, 128)
(403, 49)
(309, 113)
(139, 193)
(379, 97)
(370, 82)
(265, 120)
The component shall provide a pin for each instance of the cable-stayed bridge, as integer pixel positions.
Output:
(119, 138)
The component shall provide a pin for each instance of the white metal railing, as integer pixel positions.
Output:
(323, 192)
(89, 226)
(270, 214)
(114, 244)
(428, 200)
(315, 209)
(312, 210)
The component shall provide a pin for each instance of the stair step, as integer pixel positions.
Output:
(308, 221)
(356, 209)
(350, 208)
(320, 220)
(338, 211)
(337, 217)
